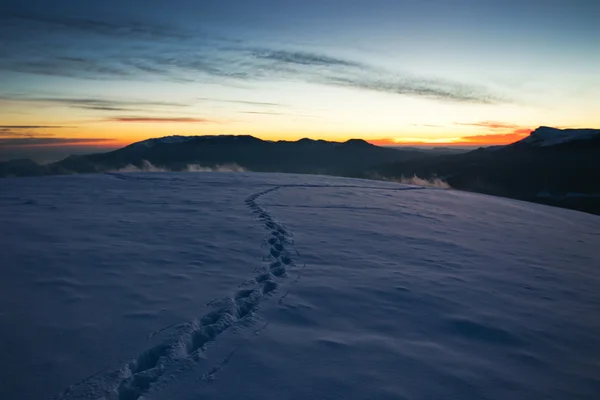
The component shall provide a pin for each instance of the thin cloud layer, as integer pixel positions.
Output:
(305, 58)
(504, 132)
(38, 141)
(91, 102)
(440, 90)
(122, 52)
(490, 125)
(243, 102)
(12, 127)
(21, 134)
(96, 104)
(34, 135)
(124, 29)
(160, 120)
(25, 132)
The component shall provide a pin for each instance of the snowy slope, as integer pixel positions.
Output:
(545, 136)
(271, 286)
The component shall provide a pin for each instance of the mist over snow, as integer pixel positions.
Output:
(154, 286)
(431, 182)
(147, 166)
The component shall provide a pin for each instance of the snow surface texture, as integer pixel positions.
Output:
(271, 286)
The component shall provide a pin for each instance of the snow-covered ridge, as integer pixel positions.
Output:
(545, 136)
(175, 139)
(163, 140)
(178, 139)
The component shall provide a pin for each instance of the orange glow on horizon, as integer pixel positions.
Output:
(473, 140)
(122, 131)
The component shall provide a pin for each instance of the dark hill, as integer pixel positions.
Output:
(552, 166)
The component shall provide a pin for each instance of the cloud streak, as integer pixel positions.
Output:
(30, 135)
(6, 127)
(25, 131)
(427, 125)
(416, 87)
(203, 58)
(243, 102)
(490, 125)
(305, 58)
(91, 102)
(19, 134)
(274, 113)
(96, 104)
(185, 120)
(128, 29)
(504, 132)
(39, 141)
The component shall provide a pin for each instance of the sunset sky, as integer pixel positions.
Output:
(84, 74)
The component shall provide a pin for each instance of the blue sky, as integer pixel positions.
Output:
(403, 71)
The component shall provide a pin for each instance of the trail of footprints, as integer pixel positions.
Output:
(138, 376)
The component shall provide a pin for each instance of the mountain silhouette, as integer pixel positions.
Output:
(176, 153)
(551, 166)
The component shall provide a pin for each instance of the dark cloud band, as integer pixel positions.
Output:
(123, 53)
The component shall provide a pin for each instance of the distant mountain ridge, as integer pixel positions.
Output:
(176, 153)
(553, 166)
